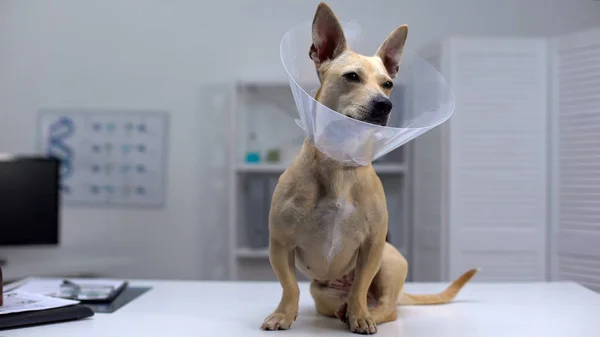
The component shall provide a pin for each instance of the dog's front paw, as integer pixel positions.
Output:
(361, 324)
(360, 321)
(278, 321)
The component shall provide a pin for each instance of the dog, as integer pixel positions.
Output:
(329, 220)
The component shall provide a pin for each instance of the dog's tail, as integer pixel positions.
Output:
(441, 298)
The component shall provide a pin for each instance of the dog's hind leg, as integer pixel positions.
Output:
(331, 298)
(388, 284)
(383, 292)
(328, 301)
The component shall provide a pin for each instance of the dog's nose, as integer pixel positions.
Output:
(382, 106)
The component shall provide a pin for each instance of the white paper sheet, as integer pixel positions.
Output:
(19, 301)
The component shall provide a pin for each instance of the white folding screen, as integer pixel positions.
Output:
(576, 103)
(498, 159)
(481, 179)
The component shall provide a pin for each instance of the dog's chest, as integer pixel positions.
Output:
(331, 227)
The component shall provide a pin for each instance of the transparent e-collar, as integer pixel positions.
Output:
(421, 98)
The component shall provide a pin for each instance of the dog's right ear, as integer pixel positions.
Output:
(328, 36)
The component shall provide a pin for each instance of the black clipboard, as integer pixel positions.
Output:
(31, 318)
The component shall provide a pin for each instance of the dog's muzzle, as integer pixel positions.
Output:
(381, 107)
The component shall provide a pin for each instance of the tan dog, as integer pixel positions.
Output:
(329, 220)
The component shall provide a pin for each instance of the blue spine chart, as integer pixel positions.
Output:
(57, 147)
(107, 158)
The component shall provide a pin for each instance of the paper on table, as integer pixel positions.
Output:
(19, 301)
(51, 286)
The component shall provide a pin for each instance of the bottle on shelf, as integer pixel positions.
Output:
(252, 149)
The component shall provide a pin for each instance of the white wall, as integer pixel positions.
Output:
(158, 55)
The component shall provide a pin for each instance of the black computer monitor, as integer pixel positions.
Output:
(29, 201)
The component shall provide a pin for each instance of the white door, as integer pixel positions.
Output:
(498, 159)
(576, 65)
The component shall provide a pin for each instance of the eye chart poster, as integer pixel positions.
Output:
(107, 157)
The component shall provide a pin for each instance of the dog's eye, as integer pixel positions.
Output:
(388, 84)
(352, 77)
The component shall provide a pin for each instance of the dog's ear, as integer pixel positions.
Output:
(391, 49)
(328, 36)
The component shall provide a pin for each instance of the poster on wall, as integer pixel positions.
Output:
(107, 157)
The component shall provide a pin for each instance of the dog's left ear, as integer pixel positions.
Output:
(390, 51)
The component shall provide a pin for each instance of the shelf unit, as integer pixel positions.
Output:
(268, 109)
